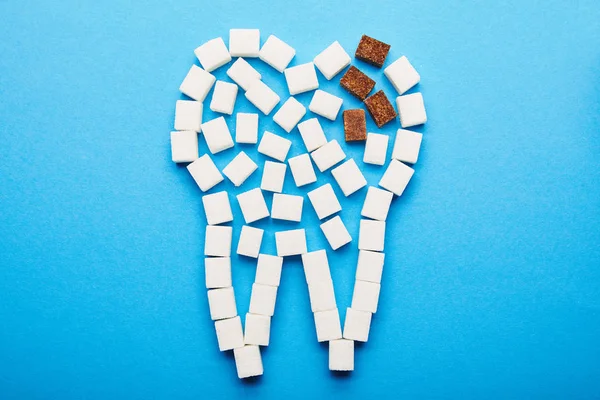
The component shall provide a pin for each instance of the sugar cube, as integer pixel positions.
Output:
(246, 128)
(217, 241)
(223, 99)
(357, 83)
(274, 146)
(396, 177)
(365, 296)
(328, 155)
(341, 355)
(357, 325)
(222, 303)
(376, 148)
(239, 169)
(380, 108)
(253, 205)
(290, 242)
(402, 75)
(262, 96)
(322, 296)
(244, 42)
(327, 324)
(218, 272)
(217, 136)
(332, 60)
(229, 333)
(290, 113)
(301, 78)
(411, 110)
(250, 241)
(377, 203)
(188, 115)
(355, 125)
(184, 146)
(276, 53)
(316, 267)
(217, 208)
(262, 299)
(205, 173)
(242, 73)
(268, 270)
(324, 201)
(371, 235)
(257, 329)
(325, 104)
(273, 176)
(312, 134)
(370, 266)
(349, 177)
(287, 207)
(336, 233)
(302, 170)
(197, 83)
(372, 51)
(247, 361)
(407, 145)
(213, 54)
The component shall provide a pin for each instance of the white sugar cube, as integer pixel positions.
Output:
(244, 42)
(341, 355)
(223, 99)
(287, 207)
(301, 78)
(312, 134)
(262, 96)
(276, 53)
(291, 242)
(184, 146)
(322, 296)
(377, 203)
(411, 110)
(336, 233)
(250, 241)
(332, 60)
(376, 149)
(274, 146)
(257, 329)
(242, 73)
(222, 303)
(365, 296)
(316, 267)
(328, 155)
(205, 173)
(262, 299)
(357, 325)
(239, 169)
(213, 54)
(402, 75)
(268, 270)
(246, 128)
(325, 104)
(217, 208)
(396, 177)
(217, 241)
(370, 266)
(217, 135)
(327, 324)
(197, 83)
(302, 170)
(324, 201)
(349, 177)
(229, 333)
(253, 205)
(188, 115)
(407, 145)
(247, 361)
(290, 113)
(273, 176)
(371, 235)
(218, 272)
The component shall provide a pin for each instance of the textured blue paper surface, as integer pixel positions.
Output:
(492, 283)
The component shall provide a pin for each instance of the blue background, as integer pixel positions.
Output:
(492, 282)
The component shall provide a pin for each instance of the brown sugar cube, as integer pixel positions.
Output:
(356, 83)
(372, 51)
(355, 125)
(380, 108)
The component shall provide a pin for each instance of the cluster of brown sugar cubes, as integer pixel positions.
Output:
(358, 84)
